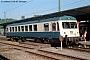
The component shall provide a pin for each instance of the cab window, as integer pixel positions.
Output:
(69, 25)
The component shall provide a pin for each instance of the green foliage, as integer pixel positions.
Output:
(1, 27)
(5, 21)
(19, 41)
(14, 40)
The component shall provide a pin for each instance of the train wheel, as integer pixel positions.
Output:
(35, 39)
(12, 39)
(38, 40)
(45, 41)
(23, 39)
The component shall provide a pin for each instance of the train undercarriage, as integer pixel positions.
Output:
(55, 42)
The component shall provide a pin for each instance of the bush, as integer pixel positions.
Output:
(19, 41)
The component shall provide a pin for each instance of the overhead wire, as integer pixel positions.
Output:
(74, 2)
(55, 7)
(24, 4)
(19, 6)
(43, 5)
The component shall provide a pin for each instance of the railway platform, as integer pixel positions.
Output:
(3, 38)
(83, 42)
(68, 52)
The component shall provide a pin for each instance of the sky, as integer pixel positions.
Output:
(29, 8)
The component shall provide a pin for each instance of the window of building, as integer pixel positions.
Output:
(15, 29)
(30, 27)
(18, 28)
(26, 28)
(35, 27)
(22, 28)
(46, 27)
(53, 26)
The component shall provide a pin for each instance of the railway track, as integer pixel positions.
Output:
(87, 50)
(40, 45)
(45, 54)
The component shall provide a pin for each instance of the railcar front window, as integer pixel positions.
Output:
(69, 25)
(46, 27)
(73, 25)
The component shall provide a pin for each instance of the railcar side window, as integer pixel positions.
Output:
(46, 27)
(22, 28)
(26, 28)
(18, 28)
(53, 26)
(30, 27)
(10, 29)
(35, 27)
(15, 29)
(57, 26)
(7, 29)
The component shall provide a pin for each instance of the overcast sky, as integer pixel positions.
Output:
(37, 7)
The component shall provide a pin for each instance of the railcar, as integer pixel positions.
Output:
(45, 30)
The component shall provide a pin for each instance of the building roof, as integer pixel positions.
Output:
(81, 13)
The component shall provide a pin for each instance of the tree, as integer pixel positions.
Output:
(23, 17)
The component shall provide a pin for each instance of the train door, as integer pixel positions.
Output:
(83, 27)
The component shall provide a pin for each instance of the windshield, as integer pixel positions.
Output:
(69, 25)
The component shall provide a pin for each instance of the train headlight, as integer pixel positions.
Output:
(75, 34)
(71, 32)
(64, 32)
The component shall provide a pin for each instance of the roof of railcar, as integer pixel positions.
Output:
(46, 20)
